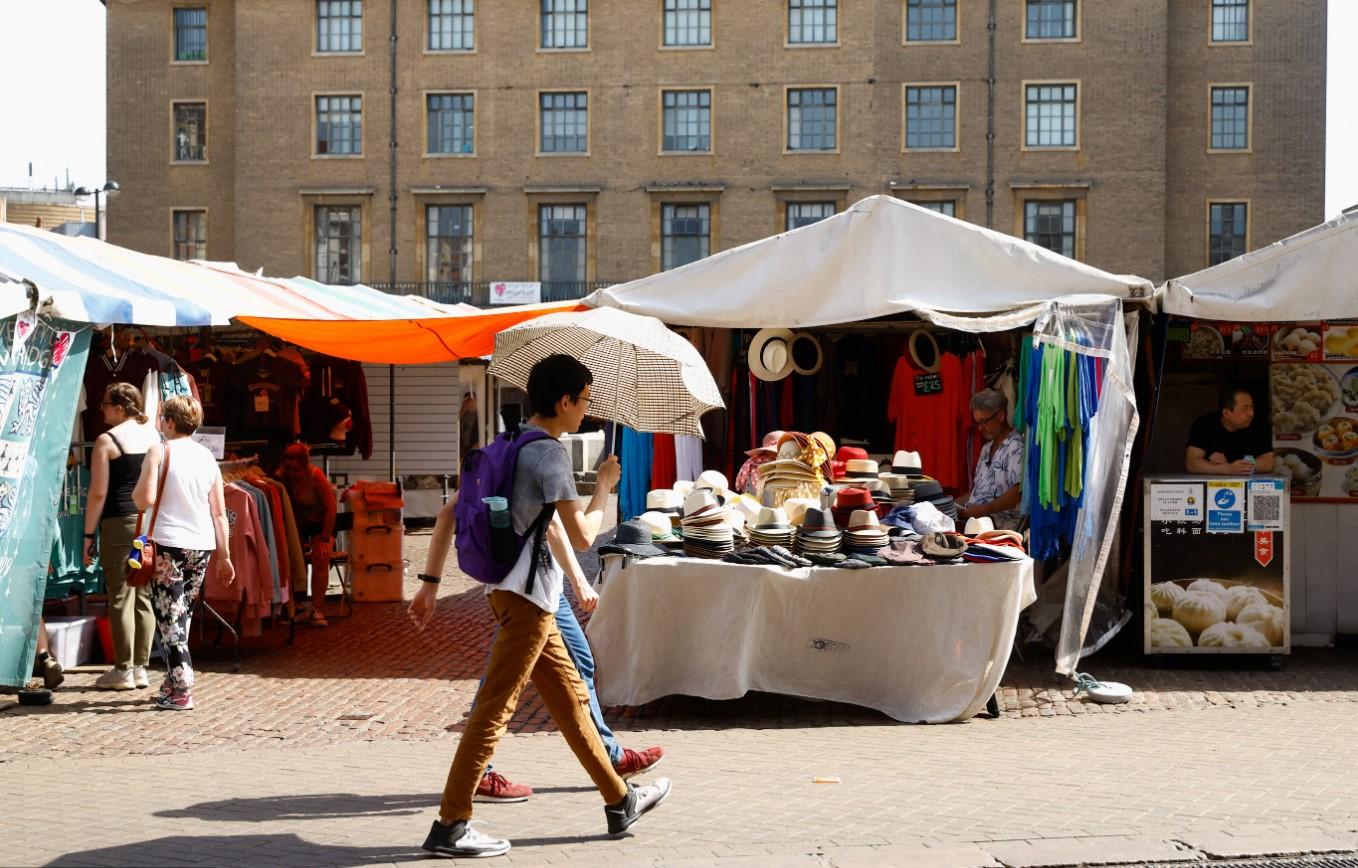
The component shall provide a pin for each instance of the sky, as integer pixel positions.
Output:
(52, 54)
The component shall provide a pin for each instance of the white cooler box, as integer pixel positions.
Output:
(72, 638)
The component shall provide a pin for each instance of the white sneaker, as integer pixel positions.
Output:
(116, 679)
(461, 841)
(139, 676)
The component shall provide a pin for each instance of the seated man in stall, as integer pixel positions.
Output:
(1227, 441)
(996, 491)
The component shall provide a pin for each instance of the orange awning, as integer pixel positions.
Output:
(405, 341)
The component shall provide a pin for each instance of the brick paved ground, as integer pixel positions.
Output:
(333, 750)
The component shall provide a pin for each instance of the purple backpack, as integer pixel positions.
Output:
(487, 553)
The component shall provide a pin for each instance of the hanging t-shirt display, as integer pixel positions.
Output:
(131, 366)
(266, 391)
(337, 383)
(862, 385)
(929, 409)
(214, 386)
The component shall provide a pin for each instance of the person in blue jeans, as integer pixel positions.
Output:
(628, 763)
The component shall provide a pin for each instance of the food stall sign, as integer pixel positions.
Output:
(1263, 547)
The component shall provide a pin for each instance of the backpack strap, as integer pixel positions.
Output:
(539, 531)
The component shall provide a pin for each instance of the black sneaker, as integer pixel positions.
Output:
(461, 841)
(638, 801)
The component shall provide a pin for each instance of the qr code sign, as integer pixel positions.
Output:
(1265, 507)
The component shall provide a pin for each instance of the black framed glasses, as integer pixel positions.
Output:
(981, 423)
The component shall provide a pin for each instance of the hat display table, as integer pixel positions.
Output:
(926, 644)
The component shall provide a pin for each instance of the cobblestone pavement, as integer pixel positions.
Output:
(333, 751)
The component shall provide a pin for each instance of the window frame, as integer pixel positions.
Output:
(535, 206)
(711, 31)
(802, 193)
(174, 243)
(711, 121)
(424, 130)
(537, 121)
(1207, 225)
(1249, 27)
(316, 35)
(429, 34)
(919, 195)
(957, 27)
(664, 202)
(207, 153)
(787, 28)
(787, 120)
(589, 32)
(956, 117)
(1248, 87)
(365, 232)
(1054, 192)
(424, 253)
(316, 126)
(1023, 112)
(174, 35)
(1025, 39)
(787, 206)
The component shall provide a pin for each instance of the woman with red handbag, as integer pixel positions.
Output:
(182, 486)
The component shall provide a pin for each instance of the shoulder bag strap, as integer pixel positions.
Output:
(160, 491)
(539, 535)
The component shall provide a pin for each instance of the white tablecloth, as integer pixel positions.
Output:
(924, 644)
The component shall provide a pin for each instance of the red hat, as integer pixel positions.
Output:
(854, 498)
(851, 453)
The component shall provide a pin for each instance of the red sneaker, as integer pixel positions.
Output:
(495, 787)
(634, 763)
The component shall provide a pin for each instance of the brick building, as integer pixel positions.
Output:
(572, 141)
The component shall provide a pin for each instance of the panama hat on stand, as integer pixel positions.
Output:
(770, 354)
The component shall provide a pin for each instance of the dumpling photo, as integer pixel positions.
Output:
(1198, 610)
(1164, 595)
(1209, 586)
(1226, 635)
(1240, 596)
(1267, 619)
(1169, 634)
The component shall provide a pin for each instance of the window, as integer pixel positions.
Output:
(1230, 20)
(1228, 227)
(687, 121)
(946, 207)
(190, 235)
(1050, 116)
(339, 125)
(684, 234)
(811, 119)
(1050, 224)
(1051, 19)
(561, 243)
(931, 21)
(450, 25)
(339, 25)
(452, 123)
(190, 132)
(688, 22)
(1230, 118)
(564, 123)
(565, 24)
(190, 34)
(930, 117)
(806, 213)
(449, 248)
(812, 21)
(339, 244)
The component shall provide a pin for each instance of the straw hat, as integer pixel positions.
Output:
(662, 531)
(770, 354)
(664, 500)
(977, 525)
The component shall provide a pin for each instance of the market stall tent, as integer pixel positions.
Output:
(884, 257)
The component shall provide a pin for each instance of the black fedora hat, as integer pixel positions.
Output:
(633, 538)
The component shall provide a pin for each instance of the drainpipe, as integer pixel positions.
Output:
(391, 369)
(990, 122)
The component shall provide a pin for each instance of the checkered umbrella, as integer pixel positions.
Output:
(645, 376)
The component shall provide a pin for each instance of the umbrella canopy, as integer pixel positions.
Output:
(645, 376)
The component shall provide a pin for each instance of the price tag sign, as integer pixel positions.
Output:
(928, 384)
(213, 438)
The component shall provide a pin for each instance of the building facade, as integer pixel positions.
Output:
(572, 141)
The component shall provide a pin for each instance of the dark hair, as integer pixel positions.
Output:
(297, 452)
(553, 378)
(1226, 397)
(128, 397)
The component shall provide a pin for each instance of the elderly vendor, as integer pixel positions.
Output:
(995, 493)
(1226, 441)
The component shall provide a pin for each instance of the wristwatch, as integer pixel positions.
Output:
(433, 580)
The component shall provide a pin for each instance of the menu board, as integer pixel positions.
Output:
(1222, 340)
(1313, 382)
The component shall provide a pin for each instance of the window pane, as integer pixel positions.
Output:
(931, 20)
(687, 121)
(946, 207)
(810, 21)
(1230, 117)
(1230, 20)
(190, 235)
(1051, 224)
(190, 34)
(339, 244)
(811, 119)
(688, 22)
(565, 24)
(1228, 225)
(190, 132)
(450, 25)
(449, 243)
(451, 123)
(339, 25)
(683, 234)
(565, 123)
(339, 125)
(930, 117)
(805, 213)
(1051, 19)
(1051, 116)
(561, 247)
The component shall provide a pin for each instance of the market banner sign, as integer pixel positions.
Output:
(42, 364)
(515, 293)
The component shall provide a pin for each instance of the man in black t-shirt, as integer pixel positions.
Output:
(1226, 442)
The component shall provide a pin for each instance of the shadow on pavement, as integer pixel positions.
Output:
(237, 850)
(90, 706)
(322, 806)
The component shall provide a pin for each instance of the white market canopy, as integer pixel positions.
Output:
(880, 257)
(1312, 275)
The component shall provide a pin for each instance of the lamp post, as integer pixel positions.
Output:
(110, 187)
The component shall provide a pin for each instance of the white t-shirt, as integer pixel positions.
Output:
(185, 517)
(542, 475)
